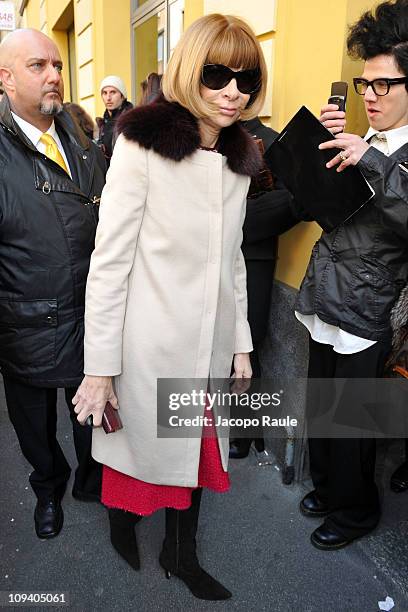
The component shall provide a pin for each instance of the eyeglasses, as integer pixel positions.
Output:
(217, 76)
(379, 86)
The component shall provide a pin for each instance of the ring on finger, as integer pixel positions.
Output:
(343, 156)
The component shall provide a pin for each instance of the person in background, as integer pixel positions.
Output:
(397, 365)
(82, 118)
(166, 292)
(151, 88)
(48, 219)
(357, 271)
(114, 96)
(399, 478)
(269, 213)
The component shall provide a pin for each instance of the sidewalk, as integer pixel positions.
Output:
(253, 539)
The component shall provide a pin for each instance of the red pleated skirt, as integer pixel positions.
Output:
(127, 493)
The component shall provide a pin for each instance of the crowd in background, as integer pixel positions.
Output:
(114, 96)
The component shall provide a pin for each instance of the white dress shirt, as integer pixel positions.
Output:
(387, 142)
(34, 134)
(394, 139)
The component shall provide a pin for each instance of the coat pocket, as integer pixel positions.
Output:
(27, 332)
(372, 293)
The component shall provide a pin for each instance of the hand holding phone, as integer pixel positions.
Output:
(338, 95)
(334, 119)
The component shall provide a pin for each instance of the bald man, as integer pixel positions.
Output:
(51, 178)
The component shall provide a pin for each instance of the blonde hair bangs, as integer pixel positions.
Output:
(213, 39)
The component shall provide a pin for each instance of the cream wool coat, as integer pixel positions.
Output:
(165, 298)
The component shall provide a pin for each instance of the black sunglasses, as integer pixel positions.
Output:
(217, 76)
(379, 86)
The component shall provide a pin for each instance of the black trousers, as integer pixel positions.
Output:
(343, 469)
(259, 289)
(33, 413)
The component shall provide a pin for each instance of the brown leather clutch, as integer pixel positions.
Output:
(111, 420)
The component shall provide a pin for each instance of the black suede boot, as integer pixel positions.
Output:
(178, 555)
(123, 536)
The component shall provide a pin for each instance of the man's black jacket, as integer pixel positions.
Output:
(47, 230)
(357, 271)
(269, 214)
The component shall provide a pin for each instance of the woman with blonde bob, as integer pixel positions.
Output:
(166, 291)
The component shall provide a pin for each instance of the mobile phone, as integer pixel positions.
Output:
(339, 94)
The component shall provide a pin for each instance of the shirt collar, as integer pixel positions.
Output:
(33, 133)
(396, 138)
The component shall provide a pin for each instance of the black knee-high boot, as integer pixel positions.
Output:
(123, 536)
(178, 555)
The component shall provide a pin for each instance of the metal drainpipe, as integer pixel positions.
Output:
(288, 472)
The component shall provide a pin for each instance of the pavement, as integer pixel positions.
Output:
(253, 539)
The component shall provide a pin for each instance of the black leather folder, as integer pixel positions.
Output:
(329, 197)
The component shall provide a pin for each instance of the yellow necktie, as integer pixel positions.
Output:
(52, 151)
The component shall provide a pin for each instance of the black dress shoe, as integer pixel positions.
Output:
(48, 519)
(85, 496)
(311, 505)
(325, 538)
(399, 479)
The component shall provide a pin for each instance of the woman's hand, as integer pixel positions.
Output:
(91, 398)
(333, 119)
(242, 366)
(242, 373)
(352, 150)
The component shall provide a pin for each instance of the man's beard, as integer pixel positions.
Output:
(51, 108)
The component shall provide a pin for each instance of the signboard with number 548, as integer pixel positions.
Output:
(7, 16)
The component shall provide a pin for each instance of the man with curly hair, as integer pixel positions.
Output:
(357, 271)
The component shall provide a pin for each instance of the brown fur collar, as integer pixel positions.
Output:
(172, 132)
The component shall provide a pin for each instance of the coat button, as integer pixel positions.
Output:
(84, 157)
(335, 258)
